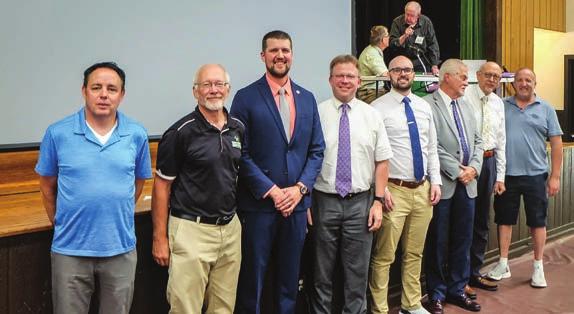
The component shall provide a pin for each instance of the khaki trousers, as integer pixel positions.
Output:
(370, 94)
(204, 266)
(408, 222)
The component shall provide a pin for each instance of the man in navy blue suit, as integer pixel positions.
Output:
(281, 157)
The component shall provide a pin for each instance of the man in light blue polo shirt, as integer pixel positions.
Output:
(92, 168)
(530, 121)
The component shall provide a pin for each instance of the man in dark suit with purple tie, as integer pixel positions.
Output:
(281, 157)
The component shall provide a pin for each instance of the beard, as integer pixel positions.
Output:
(213, 105)
(402, 87)
(271, 69)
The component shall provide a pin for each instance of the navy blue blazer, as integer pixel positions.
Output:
(267, 158)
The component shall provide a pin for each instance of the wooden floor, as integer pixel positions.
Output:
(515, 296)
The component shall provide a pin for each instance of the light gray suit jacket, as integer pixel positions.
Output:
(449, 151)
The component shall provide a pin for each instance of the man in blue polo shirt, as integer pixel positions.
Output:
(92, 168)
(530, 121)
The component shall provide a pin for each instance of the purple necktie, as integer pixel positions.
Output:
(343, 179)
(459, 128)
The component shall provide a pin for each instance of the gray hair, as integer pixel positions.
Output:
(415, 5)
(377, 34)
(196, 76)
(450, 66)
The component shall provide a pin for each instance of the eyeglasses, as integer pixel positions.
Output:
(489, 76)
(349, 77)
(401, 70)
(208, 85)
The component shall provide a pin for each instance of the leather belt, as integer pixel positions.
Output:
(407, 184)
(218, 221)
(488, 153)
(346, 197)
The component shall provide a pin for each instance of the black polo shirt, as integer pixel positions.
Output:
(203, 162)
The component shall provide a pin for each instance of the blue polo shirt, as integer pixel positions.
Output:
(526, 134)
(95, 202)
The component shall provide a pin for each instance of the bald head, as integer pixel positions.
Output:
(401, 74)
(402, 60)
(525, 84)
(488, 77)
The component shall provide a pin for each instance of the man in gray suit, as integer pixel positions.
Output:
(460, 154)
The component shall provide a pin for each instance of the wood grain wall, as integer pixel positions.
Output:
(518, 20)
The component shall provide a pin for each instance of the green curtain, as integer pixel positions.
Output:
(471, 29)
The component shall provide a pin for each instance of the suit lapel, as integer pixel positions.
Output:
(446, 115)
(265, 92)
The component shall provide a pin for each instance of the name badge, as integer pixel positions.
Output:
(419, 40)
(236, 144)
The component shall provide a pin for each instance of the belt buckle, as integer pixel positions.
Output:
(223, 220)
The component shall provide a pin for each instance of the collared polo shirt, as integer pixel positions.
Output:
(96, 184)
(526, 133)
(203, 163)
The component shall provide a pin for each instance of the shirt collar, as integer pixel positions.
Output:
(446, 98)
(337, 103)
(80, 125)
(275, 87)
(399, 97)
(512, 100)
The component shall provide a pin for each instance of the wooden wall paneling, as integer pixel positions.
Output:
(536, 6)
(29, 283)
(529, 34)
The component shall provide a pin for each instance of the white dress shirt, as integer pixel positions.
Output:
(494, 137)
(392, 110)
(369, 144)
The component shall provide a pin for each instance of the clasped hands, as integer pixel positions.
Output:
(286, 199)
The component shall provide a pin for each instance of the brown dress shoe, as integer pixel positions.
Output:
(482, 283)
(464, 302)
(434, 307)
(470, 292)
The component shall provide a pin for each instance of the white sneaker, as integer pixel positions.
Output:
(538, 280)
(499, 272)
(420, 310)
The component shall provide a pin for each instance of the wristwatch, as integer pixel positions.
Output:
(380, 199)
(302, 188)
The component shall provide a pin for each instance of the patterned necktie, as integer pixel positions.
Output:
(285, 112)
(343, 178)
(459, 127)
(415, 140)
(485, 118)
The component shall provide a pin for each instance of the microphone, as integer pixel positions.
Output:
(416, 48)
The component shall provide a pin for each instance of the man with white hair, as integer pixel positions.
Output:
(460, 154)
(200, 154)
(413, 35)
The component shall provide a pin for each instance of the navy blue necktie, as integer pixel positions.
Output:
(459, 127)
(415, 140)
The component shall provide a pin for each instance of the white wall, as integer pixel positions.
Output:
(549, 50)
(46, 45)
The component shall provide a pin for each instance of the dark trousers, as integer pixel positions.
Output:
(447, 250)
(340, 231)
(263, 232)
(485, 187)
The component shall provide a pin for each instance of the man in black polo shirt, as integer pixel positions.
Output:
(197, 165)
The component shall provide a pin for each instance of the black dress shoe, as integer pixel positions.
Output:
(434, 307)
(482, 283)
(464, 302)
